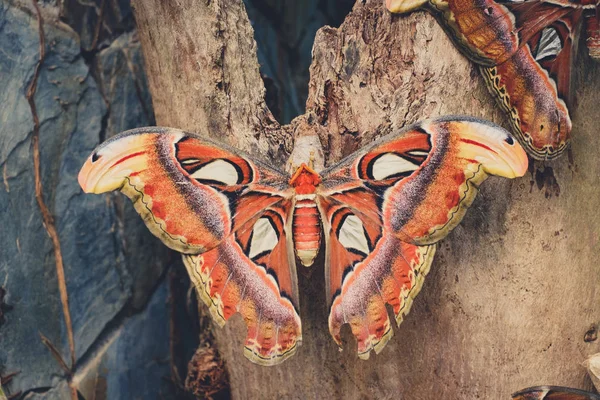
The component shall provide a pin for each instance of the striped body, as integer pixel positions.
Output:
(306, 230)
(306, 225)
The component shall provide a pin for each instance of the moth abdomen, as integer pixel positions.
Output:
(306, 229)
(306, 226)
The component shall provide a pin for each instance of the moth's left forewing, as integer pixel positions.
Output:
(384, 209)
(185, 187)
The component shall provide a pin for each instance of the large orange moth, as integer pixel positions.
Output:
(525, 50)
(241, 225)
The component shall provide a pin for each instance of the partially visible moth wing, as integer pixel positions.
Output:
(534, 85)
(481, 29)
(490, 32)
(593, 32)
(253, 272)
(228, 214)
(553, 393)
(525, 51)
(484, 30)
(534, 16)
(538, 115)
(187, 189)
(384, 209)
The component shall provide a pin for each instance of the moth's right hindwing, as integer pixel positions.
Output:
(253, 272)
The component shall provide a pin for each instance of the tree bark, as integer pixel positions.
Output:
(512, 291)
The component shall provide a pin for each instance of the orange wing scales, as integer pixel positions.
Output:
(428, 205)
(525, 51)
(483, 25)
(392, 274)
(525, 91)
(143, 164)
(228, 283)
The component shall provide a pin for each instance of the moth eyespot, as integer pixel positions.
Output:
(264, 237)
(190, 161)
(221, 171)
(509, 140)
(95, 157)
(541, 127)
(390, 165)
(352, 235)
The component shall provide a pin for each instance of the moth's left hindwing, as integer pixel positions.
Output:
(384, 209)
(252, 276)
(229, 215)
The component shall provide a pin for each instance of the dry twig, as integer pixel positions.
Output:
(39, 196)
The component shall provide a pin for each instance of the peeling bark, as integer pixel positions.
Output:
(512, 291)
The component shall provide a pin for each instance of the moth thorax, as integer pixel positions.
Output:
(306, 229)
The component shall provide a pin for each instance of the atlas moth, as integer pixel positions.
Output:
(242, 225)
(525, 51)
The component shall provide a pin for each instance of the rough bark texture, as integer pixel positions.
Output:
(207, 50)
(512, 291)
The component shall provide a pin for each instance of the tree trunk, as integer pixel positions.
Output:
(513, 289)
